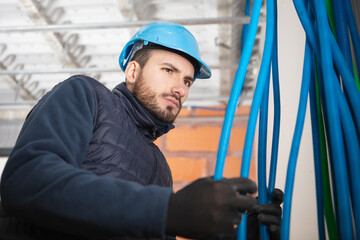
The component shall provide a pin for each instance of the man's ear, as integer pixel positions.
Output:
(131, 72)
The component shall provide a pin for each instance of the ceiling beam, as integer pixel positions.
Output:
(15, 84)
(126, 24)
(34, 12)
(101, 70)
(127, 10)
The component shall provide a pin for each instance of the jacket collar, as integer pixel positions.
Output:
(150, 126)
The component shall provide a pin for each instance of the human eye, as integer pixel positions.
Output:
(188, 83)
(168, 70)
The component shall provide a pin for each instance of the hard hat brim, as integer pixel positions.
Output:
(203, 71)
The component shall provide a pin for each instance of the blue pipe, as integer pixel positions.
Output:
(348, 81)
(259, 90)
(241, 230)
(277, 110)
(336, 143)
(327, 131)
(258, 95)
(349, 86)
(245, 26)
(289, 185)
(310, 33)
(317, 154)
(353, 32)
(342, 67)
(316, 143)
(236, 89)
(342, 33)
(353, 154)
(234, 96)
(263, 119)
(307, 25)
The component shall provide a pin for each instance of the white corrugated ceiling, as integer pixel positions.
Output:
(44, 42)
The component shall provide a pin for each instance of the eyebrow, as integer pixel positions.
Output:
(177, 70)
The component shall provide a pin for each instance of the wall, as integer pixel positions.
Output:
(291, 51)
(191, 148)
(2, 164)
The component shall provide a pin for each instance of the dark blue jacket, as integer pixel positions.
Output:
(64, 176)
(122, 143)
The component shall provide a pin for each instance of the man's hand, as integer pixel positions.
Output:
(268, 214)
(209, 208)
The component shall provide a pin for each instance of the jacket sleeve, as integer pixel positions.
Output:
(43, 183)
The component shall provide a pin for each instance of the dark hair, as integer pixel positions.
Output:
(142, 56)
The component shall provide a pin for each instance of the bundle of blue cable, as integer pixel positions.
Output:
(260, 98)
(335, 113)
(339, 100)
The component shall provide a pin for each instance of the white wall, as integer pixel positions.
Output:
(2, 164)
(291, 40)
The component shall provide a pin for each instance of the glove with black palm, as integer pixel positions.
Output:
(209, 209)
(268, 214)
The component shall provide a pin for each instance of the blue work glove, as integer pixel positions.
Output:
(268, 214)
(209, 209)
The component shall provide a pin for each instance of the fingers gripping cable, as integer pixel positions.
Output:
(208, 209)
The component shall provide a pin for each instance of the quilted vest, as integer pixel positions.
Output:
(123, 135)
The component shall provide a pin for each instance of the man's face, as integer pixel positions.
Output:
(163, 84)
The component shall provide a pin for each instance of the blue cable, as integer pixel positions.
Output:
(336, 143)
(245, 29)
(350, 87)
(263, 119)
(316, 144)
(259, 90)
(353, 32)
(317, 154)
(325, 52)
(353, 154)
(342, 67)
(327, 131)
(348, 82)
(307, 25)
(277, 111)
(241, 229)
(234, 96)
(258, 95)
(236, 89)
(310, 34)
(289, 185)
(342, 33)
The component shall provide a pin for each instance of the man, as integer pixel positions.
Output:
(85, 166)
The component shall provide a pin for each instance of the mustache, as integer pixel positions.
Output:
(177, 97)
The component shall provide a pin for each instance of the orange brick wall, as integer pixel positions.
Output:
(191, 148)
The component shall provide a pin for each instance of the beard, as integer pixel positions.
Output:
(147, 98)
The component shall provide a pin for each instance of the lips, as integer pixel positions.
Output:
(174, 102)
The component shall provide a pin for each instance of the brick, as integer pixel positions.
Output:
(241, 110)
(217, 111)
(187, 169)
(237, 139)
(193, 139)
(184, 113)
(232, 168)
(203, 138)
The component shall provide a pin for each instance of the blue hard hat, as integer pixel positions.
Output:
(170, 35)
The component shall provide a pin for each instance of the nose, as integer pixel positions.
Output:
(179, 88)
